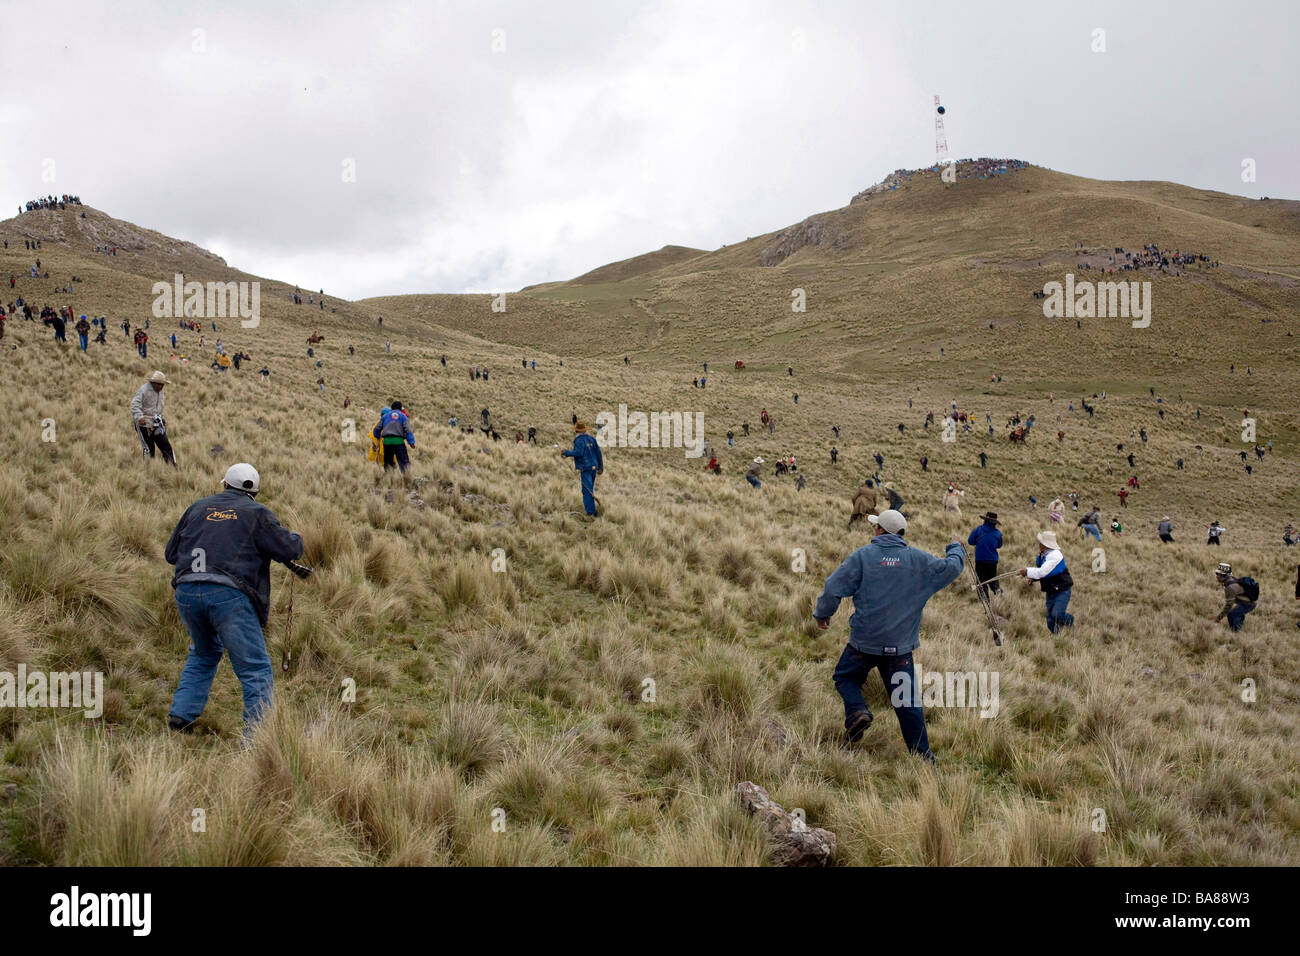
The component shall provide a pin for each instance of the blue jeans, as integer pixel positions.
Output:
(753, 481)
(85, 339)
(221, 618)
(1093, 530)
(1057, 617)
(588, 490)
(851, 673)
(1237, 616)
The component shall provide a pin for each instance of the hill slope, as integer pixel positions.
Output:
(500, 647)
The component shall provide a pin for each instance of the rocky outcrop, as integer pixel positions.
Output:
(811, 232)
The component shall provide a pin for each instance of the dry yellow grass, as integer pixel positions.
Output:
(520, 696)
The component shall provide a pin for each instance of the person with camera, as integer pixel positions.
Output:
(147, 413)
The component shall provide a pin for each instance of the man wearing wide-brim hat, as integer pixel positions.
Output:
(589, 462)
(987, 539)
(147, 414)
(1053, 577)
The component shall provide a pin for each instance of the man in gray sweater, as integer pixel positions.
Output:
(147, 414)
(1166, 530)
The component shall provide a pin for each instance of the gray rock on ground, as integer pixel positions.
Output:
(793, 842)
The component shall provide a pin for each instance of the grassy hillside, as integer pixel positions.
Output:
(524, 690)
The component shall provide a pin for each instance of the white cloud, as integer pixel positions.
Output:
(604, 130)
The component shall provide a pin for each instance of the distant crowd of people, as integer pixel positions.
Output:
(50, 202)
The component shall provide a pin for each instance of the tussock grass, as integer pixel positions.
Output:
(526, 690)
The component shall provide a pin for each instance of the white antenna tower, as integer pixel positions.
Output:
(940, 138)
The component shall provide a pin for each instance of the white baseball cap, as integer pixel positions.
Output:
(891, 520)
(243, 477)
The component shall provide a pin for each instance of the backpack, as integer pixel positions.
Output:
(1250, 588)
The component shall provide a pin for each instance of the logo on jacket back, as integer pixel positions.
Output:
(890, 562)
(222, 516)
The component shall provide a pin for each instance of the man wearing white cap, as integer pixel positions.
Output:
(222, 551)
(890, 583)
(147, 413)
(1053, 577)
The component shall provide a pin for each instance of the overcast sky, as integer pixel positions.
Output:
(498, 144)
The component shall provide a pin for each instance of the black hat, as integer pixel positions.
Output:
(991, 517)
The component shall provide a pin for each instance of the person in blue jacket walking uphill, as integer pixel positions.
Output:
(589, 462)
(394, 433)
(890, 583)
(222, 549)
(1054, 578)
(987, 539)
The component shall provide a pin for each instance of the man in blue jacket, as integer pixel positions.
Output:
(589, 462)
(394, 433)
(890, 583)
(987, 539)
(222, 551)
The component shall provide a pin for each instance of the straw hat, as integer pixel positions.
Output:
(158, 378)
(580, 427)
(1047, 539)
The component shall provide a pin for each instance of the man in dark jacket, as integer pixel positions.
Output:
(222, 551)
(987, 539)
(589, 462)
(890, 583)
(895, 499)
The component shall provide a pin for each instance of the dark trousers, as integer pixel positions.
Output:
(395, 456)
(1214, 541)
(149, 441)
(985, 570)
(851, 673)
(1237, 616)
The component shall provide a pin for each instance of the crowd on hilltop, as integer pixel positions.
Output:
(51, 202)
(983, 168)
(1151, 257)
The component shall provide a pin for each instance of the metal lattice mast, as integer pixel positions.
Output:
(940, 137)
